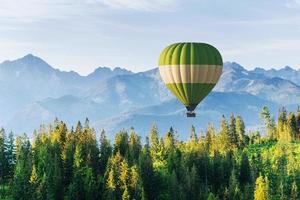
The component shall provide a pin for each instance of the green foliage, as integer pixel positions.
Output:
(211, 196)
(7, 158)
(232, 132)
(245, 170)
(294, 191)
(269, 123)
(21, 187)
(262, 191)
(225, 164)
(225, 135)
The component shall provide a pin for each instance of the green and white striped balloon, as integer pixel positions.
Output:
(190, 71)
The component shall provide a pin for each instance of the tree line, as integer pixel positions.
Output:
(73, 164)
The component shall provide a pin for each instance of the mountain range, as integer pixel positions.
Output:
(33, 92)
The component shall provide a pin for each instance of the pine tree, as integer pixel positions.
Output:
(78, 157)
(169, 140)
(193, 136)
(261, 189)
(4, 163)
(54, 178)
(248, 192)
(125, 195)
(135, 183)
(191, 183)
(225, 140)
(116, 177)
(210, 138)
(134, 147)
(34, 183)
(41, 191)
(111, 185)
(11, 154)
(292, 126)
(90, 184)
(7, 157)
(294, 191)
(281, 160)
(245, 170)
(105, 151)
(21, 185)
(228, 164)
(234, 189)
(78, 129)
(232, 132)
(282, 133)
(281, 194)
(90, 149)
(174, 186)
(147, 173)
(124, 175)
(240, 131)
(154, 142)
(121, 143)
(58, 135)
(76, 187)
(86, 123)
(269, 123)
(41, 163)
(217, 172)
(68, 157)
(298, 123)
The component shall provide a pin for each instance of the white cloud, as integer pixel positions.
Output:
(278, 46)
(41, 9)
(34, 10)
(269, 21)
(141, 5)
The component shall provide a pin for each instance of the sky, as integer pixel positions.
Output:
(81, 35)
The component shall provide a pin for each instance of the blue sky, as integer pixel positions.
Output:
(81, 35)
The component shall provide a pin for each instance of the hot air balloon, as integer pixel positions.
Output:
(190, 70)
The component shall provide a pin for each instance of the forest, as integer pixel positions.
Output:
(227, 163)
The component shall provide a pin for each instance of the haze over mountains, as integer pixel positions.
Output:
(33, 92)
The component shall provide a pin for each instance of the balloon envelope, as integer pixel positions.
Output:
(190, 71)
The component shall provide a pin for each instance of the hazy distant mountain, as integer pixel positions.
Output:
(237, 79)
(287, 73)
(103, 73)
(28, 80)
(126, 92)
(171, 113)
(36, 93)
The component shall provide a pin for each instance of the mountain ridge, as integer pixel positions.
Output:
(106, 94)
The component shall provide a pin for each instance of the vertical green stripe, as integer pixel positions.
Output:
(180, 88)
(169, 56)
(184, 58)
(200, 90)
(169, 53)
